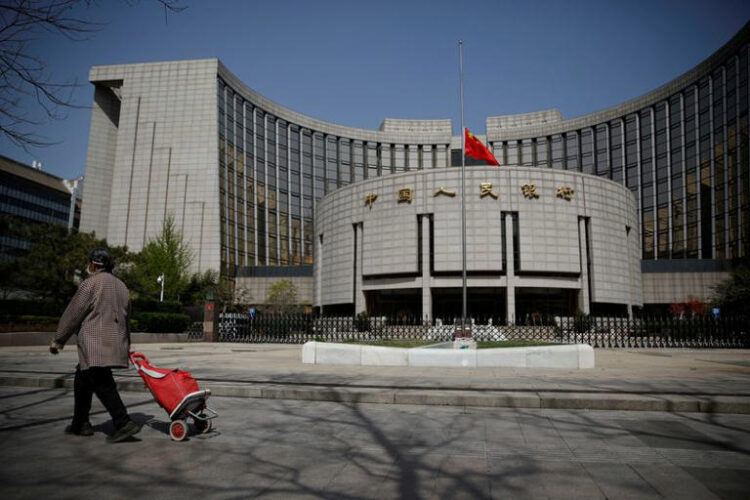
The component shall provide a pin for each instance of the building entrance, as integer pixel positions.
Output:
(481, 303)
(400, 305)
(541, 305)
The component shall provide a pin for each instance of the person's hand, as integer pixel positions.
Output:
(55, 348)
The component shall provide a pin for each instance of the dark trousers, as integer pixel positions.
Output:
(97, 380)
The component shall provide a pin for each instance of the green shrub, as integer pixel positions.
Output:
(17, 307)
(362, 322)
(161, 322)
(27, 323)
(150, 305)
(30, 318)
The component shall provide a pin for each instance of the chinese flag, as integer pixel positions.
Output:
(476, 149)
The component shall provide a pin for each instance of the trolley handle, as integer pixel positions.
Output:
(135, 356)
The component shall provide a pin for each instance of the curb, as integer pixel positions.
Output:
(438, 397)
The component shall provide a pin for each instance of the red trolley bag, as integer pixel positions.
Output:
(178, 393)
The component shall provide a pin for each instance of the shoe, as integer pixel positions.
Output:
(124, 432)
(84, 430)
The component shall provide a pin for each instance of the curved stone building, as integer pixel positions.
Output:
(242, 175)
(538, 241)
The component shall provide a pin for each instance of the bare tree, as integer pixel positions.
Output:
(24, 77)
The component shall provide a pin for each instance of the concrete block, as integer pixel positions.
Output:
(308, 352)
(586, 358)
(450, 358)
(338, 354)
(511, 357)
(384, 356)
(564, 356)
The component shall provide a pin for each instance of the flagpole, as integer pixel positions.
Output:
(463, 190)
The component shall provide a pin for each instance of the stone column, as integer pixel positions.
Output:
(630, 273)
(510, 272)
(360, 305)
(583, 293)
(318, 272)
(426, 290)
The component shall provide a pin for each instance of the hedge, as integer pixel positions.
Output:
(154, 306)
(159, 322)
(27, 323)
(19, 307)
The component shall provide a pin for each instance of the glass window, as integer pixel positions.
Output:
(602, 153)
(571, 151)
(527, 156)
(648, 233)
(631, 141)
(400, 157)
(371, 158)
(358, 161)
(587, 151)
(332, 175)
(616, 150)
(260, 135)
(296, 238)
(558, 152)
(542, 152)
(512, 151)
(345, 157)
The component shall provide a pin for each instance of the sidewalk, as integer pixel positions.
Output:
(678, 380)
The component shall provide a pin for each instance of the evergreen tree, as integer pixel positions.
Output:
(282, 297)
(54, 263)
(733, 294)
(169, 255)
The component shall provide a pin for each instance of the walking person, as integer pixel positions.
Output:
(98, 313)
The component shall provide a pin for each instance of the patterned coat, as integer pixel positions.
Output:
(98, 313)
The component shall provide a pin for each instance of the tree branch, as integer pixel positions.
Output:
(23, 76)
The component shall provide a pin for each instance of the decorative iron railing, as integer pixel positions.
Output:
(696, 332)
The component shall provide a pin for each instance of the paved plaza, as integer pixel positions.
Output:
(307, 449)
(307, 431)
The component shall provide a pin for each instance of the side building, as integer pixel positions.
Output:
(246, 178)
(33, 196)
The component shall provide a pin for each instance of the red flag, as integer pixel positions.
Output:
(476, 149)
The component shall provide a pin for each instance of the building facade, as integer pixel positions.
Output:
(539, 242)
(243, 176)
(33, 196)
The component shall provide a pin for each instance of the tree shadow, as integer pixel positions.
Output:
(286, 449)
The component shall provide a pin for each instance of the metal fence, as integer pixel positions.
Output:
(697, 332)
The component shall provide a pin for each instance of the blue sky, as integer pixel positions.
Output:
(355, 63)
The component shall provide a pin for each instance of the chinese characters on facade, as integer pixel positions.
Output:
(406, 195)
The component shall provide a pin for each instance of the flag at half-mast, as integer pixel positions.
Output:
(475, 149)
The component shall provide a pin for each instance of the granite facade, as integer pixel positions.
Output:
(398, 253)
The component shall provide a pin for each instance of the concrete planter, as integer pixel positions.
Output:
(576, 356)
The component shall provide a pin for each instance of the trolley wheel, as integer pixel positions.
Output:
(202, 426)
(178, 430)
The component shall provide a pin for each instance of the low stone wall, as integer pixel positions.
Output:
(557, 356)
(43, 338)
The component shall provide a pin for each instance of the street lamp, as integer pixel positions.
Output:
(160, 280)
